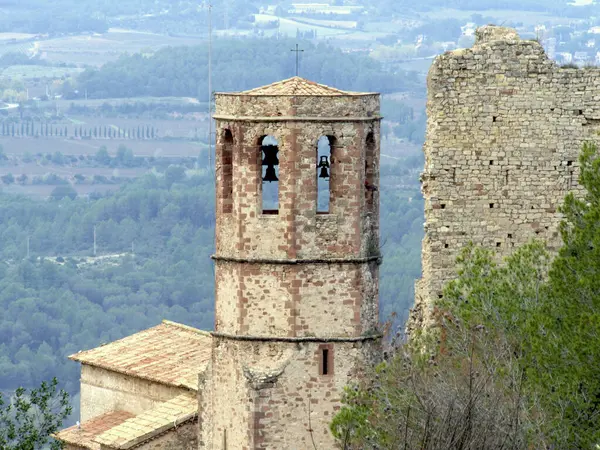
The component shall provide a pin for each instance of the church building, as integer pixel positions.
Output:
(296, 289)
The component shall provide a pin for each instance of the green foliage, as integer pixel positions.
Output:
(573, 314)
(513, 361)
(8, 178)
(27, 420)
(237, 65)
(51, 310)
(63, 191)
(462, 385)
(102, 155)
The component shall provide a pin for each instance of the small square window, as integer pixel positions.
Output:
(443, 206)
(492, 205)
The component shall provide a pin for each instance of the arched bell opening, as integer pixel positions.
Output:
(226, 178)
(325, 170)
(269, 150)
(370, 187)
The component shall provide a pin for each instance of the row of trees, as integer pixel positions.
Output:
(513, 360)
(29, 129)
(109, 132)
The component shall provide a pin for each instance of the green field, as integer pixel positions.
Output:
(98, 49)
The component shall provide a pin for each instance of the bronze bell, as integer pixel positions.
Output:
(323, 165)
(270, 158)
(270, 174)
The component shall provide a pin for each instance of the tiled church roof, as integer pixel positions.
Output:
(123, 430)
(84, 435)
(148, 424)
(297, 86)
(169, 353)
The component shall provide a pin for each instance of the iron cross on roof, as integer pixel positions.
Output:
(297, 56)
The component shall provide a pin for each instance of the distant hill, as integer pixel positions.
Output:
(238, 65)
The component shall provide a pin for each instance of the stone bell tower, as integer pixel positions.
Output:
(296, 263)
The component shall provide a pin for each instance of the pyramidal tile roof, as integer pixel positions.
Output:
(169, 353)
(297, 86)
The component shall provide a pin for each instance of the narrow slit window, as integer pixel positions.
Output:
(370, 187)
(226, 187)
(325, 357)
(324, 173)
(269, 154)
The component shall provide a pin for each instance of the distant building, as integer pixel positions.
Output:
(550, 47)
(468, 29)
(448, 45)
(324, 8)
(581, 57)
(565, 58)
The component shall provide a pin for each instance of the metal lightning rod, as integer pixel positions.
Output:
(210, 86)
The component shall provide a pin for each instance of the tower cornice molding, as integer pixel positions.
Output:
(294, 118)
(297, 339)
(368, 259)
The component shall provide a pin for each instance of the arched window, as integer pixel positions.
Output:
(269, 150)
(325, 169)
(226, 188)
(370, 187)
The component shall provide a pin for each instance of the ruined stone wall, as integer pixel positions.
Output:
(287, 402)
(103, 391)
(505, 127)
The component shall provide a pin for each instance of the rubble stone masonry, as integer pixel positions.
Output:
(505, 128)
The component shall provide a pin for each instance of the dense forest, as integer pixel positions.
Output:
(60, 299)
(238, 65)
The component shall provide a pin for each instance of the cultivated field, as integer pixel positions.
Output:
(19, 147)
(98, 49)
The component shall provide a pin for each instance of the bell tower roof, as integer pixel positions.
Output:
(298, 86)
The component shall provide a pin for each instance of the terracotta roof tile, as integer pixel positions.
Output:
(84, 435)
(297, 86)
(148, 424)
(169, 353)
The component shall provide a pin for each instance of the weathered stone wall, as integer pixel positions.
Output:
(257, 275)
(505, 127)
(296, 300)
(276, 395)
(103, 391)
